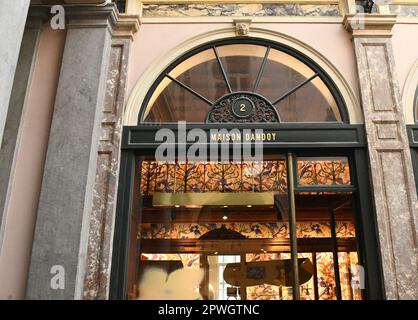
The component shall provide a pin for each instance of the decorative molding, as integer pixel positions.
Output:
(259, 109)
(369, 25)
(253, 9)
(408, 11)
(254, 19)
(242, 27)
(126, 26)
(92, 16)
(241, 1)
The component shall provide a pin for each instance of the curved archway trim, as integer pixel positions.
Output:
(409, 95)
(142, 87)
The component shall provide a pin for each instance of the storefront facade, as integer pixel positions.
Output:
(330, 94)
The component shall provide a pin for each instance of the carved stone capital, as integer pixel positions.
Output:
(127, 26)
(92, 16)
(369, 25)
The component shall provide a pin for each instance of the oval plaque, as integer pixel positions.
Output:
(242, 107)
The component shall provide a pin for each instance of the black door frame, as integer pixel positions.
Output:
(413, 143)
(300, 139)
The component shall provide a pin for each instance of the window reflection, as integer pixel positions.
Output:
(202, 79)
(221, 249)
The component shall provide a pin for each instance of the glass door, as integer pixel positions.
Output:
(326, 227)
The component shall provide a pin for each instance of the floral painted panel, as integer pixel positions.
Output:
(326, 279)
(256, 176)
(327, 171)
(267, 176)
(254, 230)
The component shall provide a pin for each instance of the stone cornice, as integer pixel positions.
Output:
(126, 26)
(370, 25)
(92, 16)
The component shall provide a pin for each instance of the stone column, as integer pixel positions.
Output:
(12, 24)
(395, 197)
(96, 267)
(69, 177)
(18, 96)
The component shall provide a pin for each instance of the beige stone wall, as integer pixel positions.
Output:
(405, 51)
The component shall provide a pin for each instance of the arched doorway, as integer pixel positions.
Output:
(303, 208)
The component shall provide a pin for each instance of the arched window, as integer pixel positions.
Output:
(266, 74)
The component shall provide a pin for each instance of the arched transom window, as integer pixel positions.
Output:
(243, 80)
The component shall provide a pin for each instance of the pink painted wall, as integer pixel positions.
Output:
(405, 48)
(29, 166)
(153, 41)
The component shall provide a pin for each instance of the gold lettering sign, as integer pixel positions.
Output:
(245, 137)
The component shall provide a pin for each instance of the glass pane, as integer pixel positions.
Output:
(203, 74)
(205, 226)
(242, 63)
(212, 230)
(311, 103)
(323, 171)
(282, 73)
(171, 103)
(323, 248)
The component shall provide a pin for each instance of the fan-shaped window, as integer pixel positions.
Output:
(266, 75)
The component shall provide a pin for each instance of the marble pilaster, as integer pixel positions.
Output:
(395, 197)
(100, 237)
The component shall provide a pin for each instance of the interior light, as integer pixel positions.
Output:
(249, 206)
(225, 218)
(177, 206)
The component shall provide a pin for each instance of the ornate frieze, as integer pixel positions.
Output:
(239, 10)
(408, 11)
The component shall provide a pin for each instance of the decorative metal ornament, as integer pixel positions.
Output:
(242, 107)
